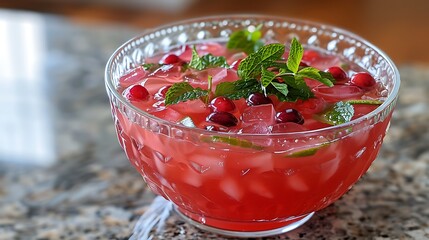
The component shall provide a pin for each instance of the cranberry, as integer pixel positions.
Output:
(137, 93)
(363, 80)
(258, 99)
(337, 72)
(162, 92)
(222, 104)
(171, 59)
(235, 64)
(223, 118)
(289, 115)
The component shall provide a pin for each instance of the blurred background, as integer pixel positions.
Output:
(400, 28)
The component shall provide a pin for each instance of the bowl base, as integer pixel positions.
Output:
(240, 229)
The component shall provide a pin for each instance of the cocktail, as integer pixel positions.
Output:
(250, 124)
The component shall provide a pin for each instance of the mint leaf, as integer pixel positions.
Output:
(340, 113)
(231, 141)
(183, 91)
(250, 67)
(281, 88)
(238, 89)
(206, 61)
(316, 74)
(266, 77)
(298, 88)
(245, 40)
(295, 55)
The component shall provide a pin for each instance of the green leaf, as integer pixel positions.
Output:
(250, 67)
(183, 91)
(340, 113)
(238, 89)
(295, 55)
(206, 61)
(245, 40)
(316, 74)
(231, 141)
(281, 88)
(267, 77)
(298, 88)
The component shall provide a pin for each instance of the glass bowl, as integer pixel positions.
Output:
(245, 190)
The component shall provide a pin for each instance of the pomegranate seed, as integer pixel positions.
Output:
(171, 59)
(258, 99)
(162, 92)
(235, 64)
(363, 80)
(223, 118)
(337, 72)
(222, 104)
(137, 93)
(289, 115)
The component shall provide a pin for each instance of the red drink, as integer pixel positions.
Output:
(250, 167)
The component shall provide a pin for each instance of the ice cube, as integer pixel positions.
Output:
(324, 62)
(206, 164)
(172, 72)
(231, 188)
(338, 92)
(134, 76)
(260, 189)
(287, 127)
(259, 113)
(257, 128)
(169, 114)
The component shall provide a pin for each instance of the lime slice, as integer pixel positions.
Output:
(231, 141)
(365, 101)
(306, 152)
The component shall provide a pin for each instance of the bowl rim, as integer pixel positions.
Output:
(389, 101)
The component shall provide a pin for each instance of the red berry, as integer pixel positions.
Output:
(171, 59)
(258, 99)
(137, 93)
(338, 73)
(162, 92)
(222, 104)
(223, 118)
(235, 64)
(289, 115)
(363, 80)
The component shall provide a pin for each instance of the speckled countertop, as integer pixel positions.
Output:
(64, 176)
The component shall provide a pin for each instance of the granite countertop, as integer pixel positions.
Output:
(63, 174)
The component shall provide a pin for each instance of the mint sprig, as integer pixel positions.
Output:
(182, 92)
(206, 61)
(245, 40)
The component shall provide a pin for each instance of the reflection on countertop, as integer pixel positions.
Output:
(63, 174)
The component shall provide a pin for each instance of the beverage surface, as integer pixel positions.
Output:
(229, 87)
